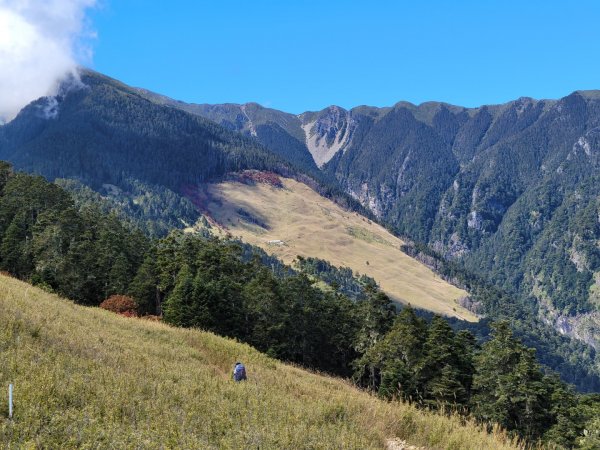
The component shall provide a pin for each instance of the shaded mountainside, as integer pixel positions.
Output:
(281, 132)
(104, 132)
(509, 189)
(108, 137)
(137, 152)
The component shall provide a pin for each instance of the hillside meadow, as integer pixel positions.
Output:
(87, 378)
(295, 220)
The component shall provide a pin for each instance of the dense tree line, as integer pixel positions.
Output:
(153, 209)
(575, 361)
(82, 254)
(500, 382)
(225, 287)
(342, 279)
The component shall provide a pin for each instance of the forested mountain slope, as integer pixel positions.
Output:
(148, 159)
(72, 366)
(105, 132)
(125, 144)
(279, 131)
(108, 137)
(510, 191)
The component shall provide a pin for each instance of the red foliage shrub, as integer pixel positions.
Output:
(120, 304)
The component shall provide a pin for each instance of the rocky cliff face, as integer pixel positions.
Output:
(327, 132)
(317, 135)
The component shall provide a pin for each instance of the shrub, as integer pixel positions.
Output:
(120, 304)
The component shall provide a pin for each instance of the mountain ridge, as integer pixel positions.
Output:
(482, 163)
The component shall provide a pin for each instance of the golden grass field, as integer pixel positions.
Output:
(87, 378)
(311, 225)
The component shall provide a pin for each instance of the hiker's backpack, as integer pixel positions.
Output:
(239, 373)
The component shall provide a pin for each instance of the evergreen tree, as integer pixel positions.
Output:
(178, 305)
(119, 275)
(265, 313)
(144, 286)
(218, 289)
(465, 348)
(439, 371)
(391, 364)
(377, 314)
(508, 386)
(568, 419)
(13, 249)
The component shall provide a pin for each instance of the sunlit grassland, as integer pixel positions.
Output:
(311, 225)
(85, 377)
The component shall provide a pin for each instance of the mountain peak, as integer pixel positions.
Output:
(593, 94)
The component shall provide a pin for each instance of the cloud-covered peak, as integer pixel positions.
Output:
(40, 44)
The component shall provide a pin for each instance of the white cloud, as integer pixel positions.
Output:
(41, 42)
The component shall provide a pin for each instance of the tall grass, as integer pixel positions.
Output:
(85, 377)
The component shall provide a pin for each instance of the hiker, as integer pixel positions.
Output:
(239, 372)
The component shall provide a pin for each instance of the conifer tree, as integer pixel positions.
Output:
(508, 386)
(439, 371)
(391, 364)
(177, 307)
(377, 315)
(264, 312)
(144, 286)
(13, 247)
(119, 275)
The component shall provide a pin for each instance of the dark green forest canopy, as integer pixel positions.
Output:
(510, 191)
(105, 134)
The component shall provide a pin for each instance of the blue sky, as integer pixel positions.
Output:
(305, 55)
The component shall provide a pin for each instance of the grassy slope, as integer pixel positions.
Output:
(311, 225)
(87, 378)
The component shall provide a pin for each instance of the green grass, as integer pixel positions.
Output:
(87, 378)
(366, 235)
